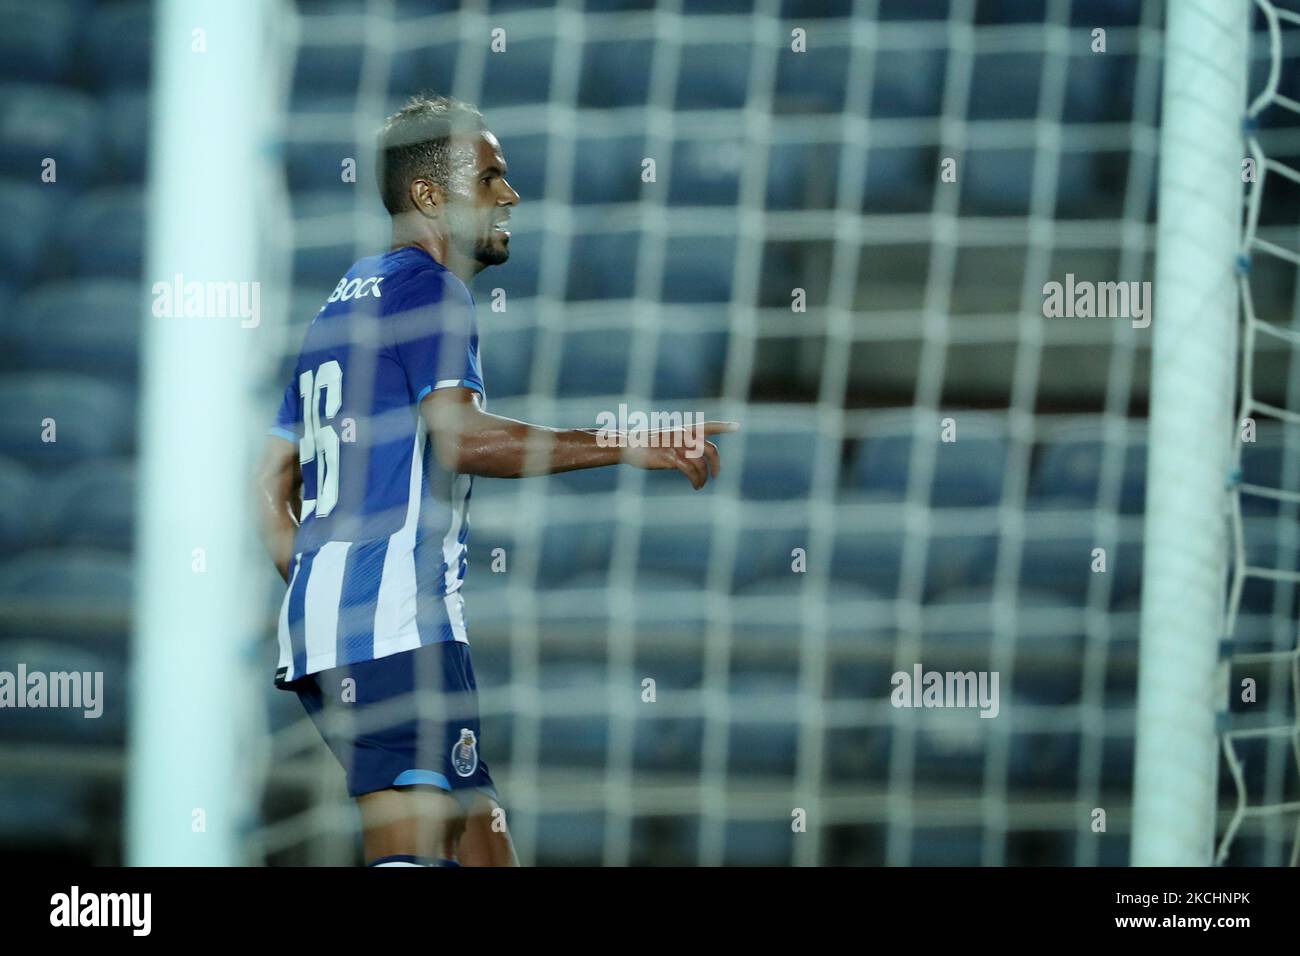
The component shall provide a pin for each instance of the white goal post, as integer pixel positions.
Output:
(1194, 355)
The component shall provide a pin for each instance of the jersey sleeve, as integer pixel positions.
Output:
(435, 336)
(288, 420)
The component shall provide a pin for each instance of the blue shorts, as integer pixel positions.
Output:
(404, 720)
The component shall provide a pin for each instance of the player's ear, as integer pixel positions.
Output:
(427, 197)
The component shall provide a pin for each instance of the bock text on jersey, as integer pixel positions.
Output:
(381, 549)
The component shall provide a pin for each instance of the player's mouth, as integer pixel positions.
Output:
(499, 228)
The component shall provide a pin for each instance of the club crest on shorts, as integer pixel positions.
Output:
(464, 753)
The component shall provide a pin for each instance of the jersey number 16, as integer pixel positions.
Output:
(319, 439)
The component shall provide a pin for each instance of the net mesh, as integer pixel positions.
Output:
(1261, 663)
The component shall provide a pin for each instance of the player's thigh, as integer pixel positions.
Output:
(414, 821)
(486, 837)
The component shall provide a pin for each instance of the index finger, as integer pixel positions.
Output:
(717, 428)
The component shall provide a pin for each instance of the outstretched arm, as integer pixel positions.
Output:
(278, 493)
(471, 441)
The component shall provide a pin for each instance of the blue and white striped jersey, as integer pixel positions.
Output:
(381, 550)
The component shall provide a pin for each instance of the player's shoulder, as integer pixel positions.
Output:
(416, 278)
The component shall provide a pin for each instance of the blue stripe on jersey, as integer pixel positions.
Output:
(361, 577)
(298, 615)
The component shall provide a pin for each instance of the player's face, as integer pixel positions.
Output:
(480, 200)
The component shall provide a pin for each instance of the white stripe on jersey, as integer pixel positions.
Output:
(282, 632)
(450, 541)
(455, 604)
(395, 609)
(321, 605)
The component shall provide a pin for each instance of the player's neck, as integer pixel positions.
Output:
(441, 250)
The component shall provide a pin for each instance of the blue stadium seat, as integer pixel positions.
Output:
(570, 548)
(598, 362)
(947, 846)
(330, 68)
(1085, 187)
(908, 83)
(812, 81)
(607, 169)
(105, 232)
(506, 356)
(423, 8)
(1258, 595)
(46, 812)
(1118, 752)
(955, 560)
(126, 125)
(91, 326)
(900, 179)
(502, 6)
(802, 175)
(317, 166)
(679, 551)
(713, 76)
(816, 9)
(595, 362)
(45, 122)
(689, 364)
(718, 7)
(1262, 463)
(997, 182)
(76, 580)
(1005, 86)
(1062, 565)
(870, 558)
(994, 12)
(857, 755)
(93, 505)
(32, 212)
(19, 519)
(1099, 88)
(1106, 13)
(527, 156)
(766, 746)
(777, 460)
(772, 609)
(602, 266)
(91, 418)
(1046, 761)
(758, 843)
(615, 73)
(1069, 472)
(573, 740)
(766, 553)
(968, 472)
(38, 41)
(672, 744)
(698, 268)
(521, 73)
(1288, 84)
(706, 172)
(570, 839)
(430, 66)
(332, 215)
(118, 43)
(891, 10)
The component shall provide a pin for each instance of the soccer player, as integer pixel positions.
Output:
(364, 486)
